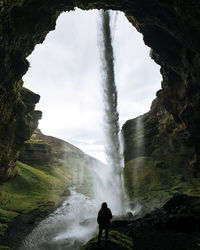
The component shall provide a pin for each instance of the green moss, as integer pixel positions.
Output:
(4, 248)
(121, 239)
(154, 182)
(3, 228)
(134, 22)
(7, 216)
(32, 141)
(41, 187)
(116, 240)
(31, 188)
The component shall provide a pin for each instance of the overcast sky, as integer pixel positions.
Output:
(65, 72)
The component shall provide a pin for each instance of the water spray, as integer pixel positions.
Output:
(113, 172)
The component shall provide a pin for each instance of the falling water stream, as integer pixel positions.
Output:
(111, 116)
(74, 223)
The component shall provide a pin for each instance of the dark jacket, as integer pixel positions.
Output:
(104, 217)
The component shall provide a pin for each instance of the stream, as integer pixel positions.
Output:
(69, 227)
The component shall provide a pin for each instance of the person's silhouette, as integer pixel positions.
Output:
(103, 219)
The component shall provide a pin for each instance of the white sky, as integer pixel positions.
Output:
(65, 72)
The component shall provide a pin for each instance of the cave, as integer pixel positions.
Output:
(170, 31)
(170, 28)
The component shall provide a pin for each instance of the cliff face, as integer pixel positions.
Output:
(170, 28)
(158, 158)
(157, 134)
(18, 121)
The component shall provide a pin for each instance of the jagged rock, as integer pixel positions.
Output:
(36, 153)
(175, 226)
(18, 122)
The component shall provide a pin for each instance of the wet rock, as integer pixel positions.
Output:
(174, 226)
(160, 158)
(116, 240)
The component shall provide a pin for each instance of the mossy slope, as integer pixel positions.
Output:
(159, 159)
(116, 241)
(153, 182)
(41, 186)
(32, 189)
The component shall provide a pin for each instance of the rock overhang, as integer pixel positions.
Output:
(170, 28)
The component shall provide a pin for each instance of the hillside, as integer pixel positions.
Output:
(47, 167)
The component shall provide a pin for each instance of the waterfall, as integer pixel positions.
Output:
(139, 131)
(74, 223)
(113, 191)
(139, 150)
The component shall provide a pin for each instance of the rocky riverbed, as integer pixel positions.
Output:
(175, 226)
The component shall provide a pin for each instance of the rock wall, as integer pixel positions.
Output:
(170, 28)
(157, 134)
(158, 158)
(18, 122)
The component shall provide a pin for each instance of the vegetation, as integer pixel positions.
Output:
(32, 189)
(4, 248)
(47, 168)
(154, 182)
(161, 164)
(116, 240)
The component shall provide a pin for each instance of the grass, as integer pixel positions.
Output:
(32, 189)
(116, 241)
(40, 187)
(7, 216)
(4, 248)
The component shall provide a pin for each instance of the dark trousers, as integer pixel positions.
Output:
(100, 233)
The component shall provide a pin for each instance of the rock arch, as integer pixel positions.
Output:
(170, 28)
